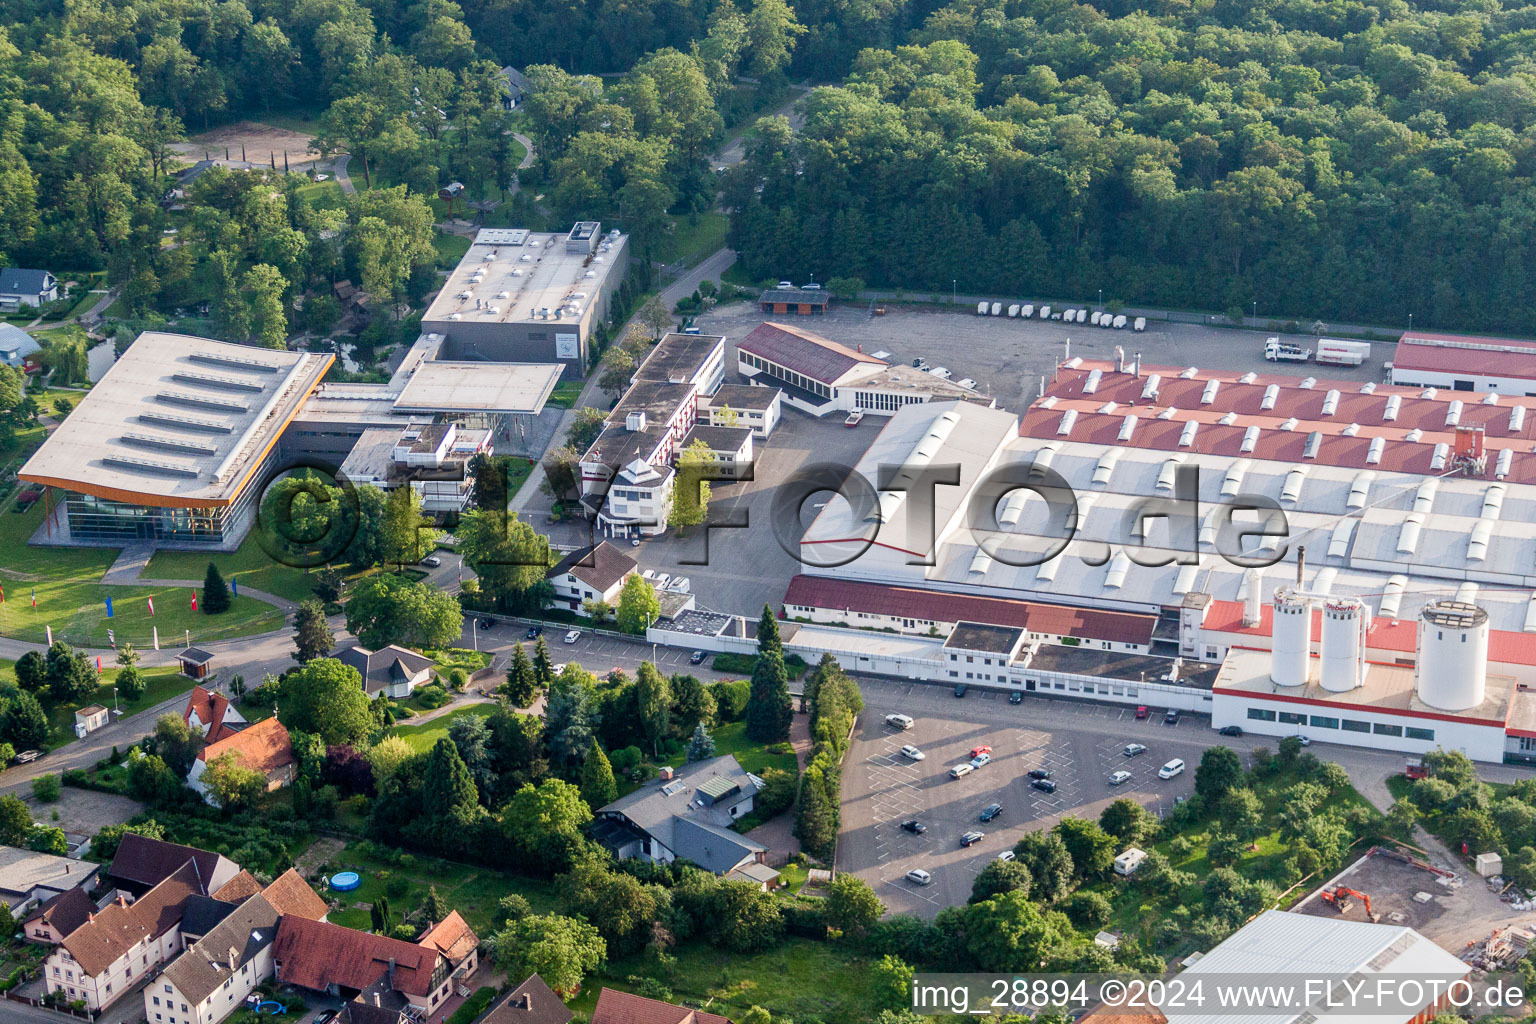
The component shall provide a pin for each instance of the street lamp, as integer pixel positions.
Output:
(954, 291)
(1255, 309)
(1101, 298)
(1410, 323)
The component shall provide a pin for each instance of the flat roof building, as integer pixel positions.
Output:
(171, 445)
(521, 296)
(1505, 366)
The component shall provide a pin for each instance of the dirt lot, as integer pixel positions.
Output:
(260, 141)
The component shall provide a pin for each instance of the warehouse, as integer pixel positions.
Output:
(809, 300)
(1170, 489)
(1502, 366)
(172, 445)
(522, 296)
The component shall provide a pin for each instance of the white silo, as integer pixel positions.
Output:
(1345, 622)
(1452, 669)
(1292, 638)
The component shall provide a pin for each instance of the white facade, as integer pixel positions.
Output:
(639, 501)
(760, 421)
(165, 1004)
(65, 975)
(1357, 727)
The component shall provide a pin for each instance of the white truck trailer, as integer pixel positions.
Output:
(1333, 352)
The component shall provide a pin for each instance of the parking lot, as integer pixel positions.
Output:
(1008, 356)
(1080, 743)
(746, 567)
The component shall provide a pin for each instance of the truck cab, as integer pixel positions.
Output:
(1277, 351)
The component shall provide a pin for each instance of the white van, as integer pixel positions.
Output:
(1172, 768)
(899, 721)
(960, 771)
(919, 877)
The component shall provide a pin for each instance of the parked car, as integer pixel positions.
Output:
(1044, 785)
(981, 760)
(1231, 730)
(918, 876)
(573, 636)
(27, 757)
(697, 658)
(959, 771)
(1005, 855)
(1016, 697)
(978, 751)
(972, 837)
(854, 418)
(1306, 741)
(1120, 777)
(912, 753)
(914, 826)
(1171, 717)
(967, 383)
(920, 363)
(991, 811)
(961, 689)
(557, 669)
(534, 632)
(1132, 749)
(486, 623)
(1172, 768)
(899, 721)
(941, 372)
(661, 580)
(1142, 712)
(432, 561)
(325, 1017)
(1039, 773)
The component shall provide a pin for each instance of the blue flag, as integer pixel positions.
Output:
(234, 587)
(109, 607)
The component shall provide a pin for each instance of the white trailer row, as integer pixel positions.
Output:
(1027, 310)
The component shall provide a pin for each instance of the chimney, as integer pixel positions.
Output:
(234, 958)
(527, 1001)
(1301, 562)
(375, 998)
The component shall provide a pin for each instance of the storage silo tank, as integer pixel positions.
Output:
(1452, 669)
(1292, 655)
(1345, 621)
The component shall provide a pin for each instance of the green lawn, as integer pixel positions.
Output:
(295, 119)
(163, 683)
(800, 979)
(324, 195)
(473, 891)
(692, 241)
(249, 565)
(450, 249)
(565, 394)
(731, 738)
(72, 600)
(422, 737)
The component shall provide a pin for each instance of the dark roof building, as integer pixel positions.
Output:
(63, 913)
(318, 955)
(975, 636)
(639, 425)
(599, 567)
(142, 863)
(25, 282)
(802, 352)
(794, 300)
(744, 397)
(225, 951)
(683, 358)
(719, 439)
(385, 667)
(532, 1002)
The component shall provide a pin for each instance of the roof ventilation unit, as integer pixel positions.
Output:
(1253, 597)
(1187, 435)
(1048, 402)
(1127, 428)
(982, 562)
(1167, 414)
(1308, 383)
(1290, 663)
(1169, 472)
(1250, 439)
(1453, 413)
(1068, 421)
(1368, 388)
(1415, 435)
(1108, 408)
(1493, 501)
(1360, 490)
(1373, 454)
(1424, 497)
(1189, 373)
(1248, 378)
(1291, 490)
(1393, 407)
(1289, 424)
(1228, 419)
(1314, 444)
(1392, 595)
(1502, 466)
(1338, 542)
(1516, 419)
(1408, 535)
(1477, 544)
(1092, 383)
(1149, 392)
(1271, 394)
(1209, 394)
(1106, 467)
(1331, 402)
(1234, 479)
(1491, 398)
(1442, 453)
(1351, 430)
(1114, 578)
(1452, 655)
(1429, 393)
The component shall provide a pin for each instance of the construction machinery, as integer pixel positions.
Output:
(1342, 899)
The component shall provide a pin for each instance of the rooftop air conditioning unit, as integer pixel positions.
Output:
(635, 421)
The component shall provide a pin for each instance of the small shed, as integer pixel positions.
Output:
(1489, 864)
(90, 718)
(195, 662)
(801, 301)
(1129, 861)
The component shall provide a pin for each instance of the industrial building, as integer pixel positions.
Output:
(821, 376)
(521, 296)
(175, 443)
(1502, 366)
(1395, 611)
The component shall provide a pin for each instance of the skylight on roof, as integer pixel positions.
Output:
(166, 419)
(234, 362)
(201, 401)
(168, 444)
(149, 466)
(212, 380)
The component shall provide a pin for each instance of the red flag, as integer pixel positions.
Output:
(2, 595)
(34, 597)
(151, 606)
(98, 664)
(194, 600)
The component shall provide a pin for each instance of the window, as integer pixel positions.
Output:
(1292, 718)
(1261, 715)
(167, 988)
(1324, 722)
(109, 986)
(1418, 734)
(1387, 730)
(1350, 725)
(952, 674)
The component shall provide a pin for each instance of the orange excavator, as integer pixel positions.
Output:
(1342, 899)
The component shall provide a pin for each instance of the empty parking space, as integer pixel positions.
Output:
(1080, 745)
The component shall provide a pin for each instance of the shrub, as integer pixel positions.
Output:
(432, 696)
(46, 788)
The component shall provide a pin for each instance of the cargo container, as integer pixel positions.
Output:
(1096, 316)
(1119, 321)
(1082, 315)
(981, 309)
(1140, 324)
(1013, 310)
(1342, 353)
(1028, 310)
(1045, 312)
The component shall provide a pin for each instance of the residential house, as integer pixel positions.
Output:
(730, 449)
(211, 714)
(28, 878)
(59, 916)
(212, 978)
(292, 896)
(238, 889)
(23, 287)
(392, 670)
(591, 574)
(328, 958)
(532, 1002)
(514, 87)
(687, 814)
(90, 718)
(615, 1007)
(122, 943)
(142, 863)
(263, 747)
(756, 407)
(456, 941)
(16, 346)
